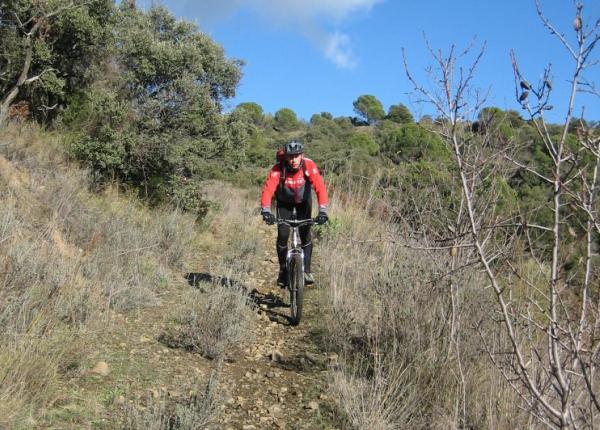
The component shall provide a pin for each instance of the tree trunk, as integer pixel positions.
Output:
(14, 92)
(5, 106)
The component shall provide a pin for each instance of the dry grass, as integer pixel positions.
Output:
(197, 412)
(380, 401)
(409, 352)
(216, 318)
(67, 257)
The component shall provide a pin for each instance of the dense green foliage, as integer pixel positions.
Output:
(154, 120)
(253, 113)
(400, 114)
(49, 50)
(141, 96)
(285, 120)
(369, 108)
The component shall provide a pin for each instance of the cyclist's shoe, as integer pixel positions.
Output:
(282, 279)
(309, 279)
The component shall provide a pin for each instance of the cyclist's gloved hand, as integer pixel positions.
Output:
(268, 217)
(322, 218)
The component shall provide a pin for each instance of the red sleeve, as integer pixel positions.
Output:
(317, 182)
(270, 186)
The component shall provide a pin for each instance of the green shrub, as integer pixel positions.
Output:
(285, 120)
(364, 142)
(411, 142)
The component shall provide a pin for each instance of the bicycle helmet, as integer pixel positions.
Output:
(294, 147)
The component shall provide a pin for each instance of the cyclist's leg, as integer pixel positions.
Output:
(283, 233)
(305, 212)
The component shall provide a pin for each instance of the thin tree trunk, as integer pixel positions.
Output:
(5, 106)
(14, 91)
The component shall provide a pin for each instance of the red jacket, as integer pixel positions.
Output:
(296, 188)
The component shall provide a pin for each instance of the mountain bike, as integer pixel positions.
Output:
(295, 267)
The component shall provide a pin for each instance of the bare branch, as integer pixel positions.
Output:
(529, 169)
(553, 30)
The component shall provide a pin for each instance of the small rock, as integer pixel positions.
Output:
(313, 406)
(283, 389)
(248, 427)
(248, 375)
(230, 401)
(101, 368)
(315, 358)
(144, 339)
(276, 356)
(271, 375)
(120, 400)
(275, 409)
(323, 397)
(155, 394)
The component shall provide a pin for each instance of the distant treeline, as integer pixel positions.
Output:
(139, 95)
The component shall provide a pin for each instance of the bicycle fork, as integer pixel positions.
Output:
(295, 249)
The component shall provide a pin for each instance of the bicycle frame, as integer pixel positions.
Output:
(295, 267)
(296, 243)
(296, 247)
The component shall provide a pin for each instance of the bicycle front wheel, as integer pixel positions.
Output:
(296, 287)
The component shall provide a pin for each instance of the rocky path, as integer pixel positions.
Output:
(280, 381)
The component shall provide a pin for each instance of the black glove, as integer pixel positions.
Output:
(268, 217)
(322, 218)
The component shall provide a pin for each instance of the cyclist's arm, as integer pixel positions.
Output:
(269, 187)
(317, 182)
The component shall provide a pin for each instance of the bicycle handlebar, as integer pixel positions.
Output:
(296, 223)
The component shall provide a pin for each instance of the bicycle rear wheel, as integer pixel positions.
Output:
(296, 288)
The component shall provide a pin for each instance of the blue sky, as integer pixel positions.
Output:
(320, 55)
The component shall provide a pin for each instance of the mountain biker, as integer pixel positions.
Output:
(291, 181)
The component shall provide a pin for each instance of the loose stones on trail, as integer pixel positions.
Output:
(101, 368)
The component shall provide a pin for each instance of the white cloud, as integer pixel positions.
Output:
(338, 50)
(301, 9)
(310, 18)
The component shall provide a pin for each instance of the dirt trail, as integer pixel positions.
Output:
(280, 381)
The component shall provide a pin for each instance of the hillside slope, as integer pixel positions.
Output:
(118, 316)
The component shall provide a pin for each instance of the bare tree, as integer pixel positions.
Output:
(542, 273)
